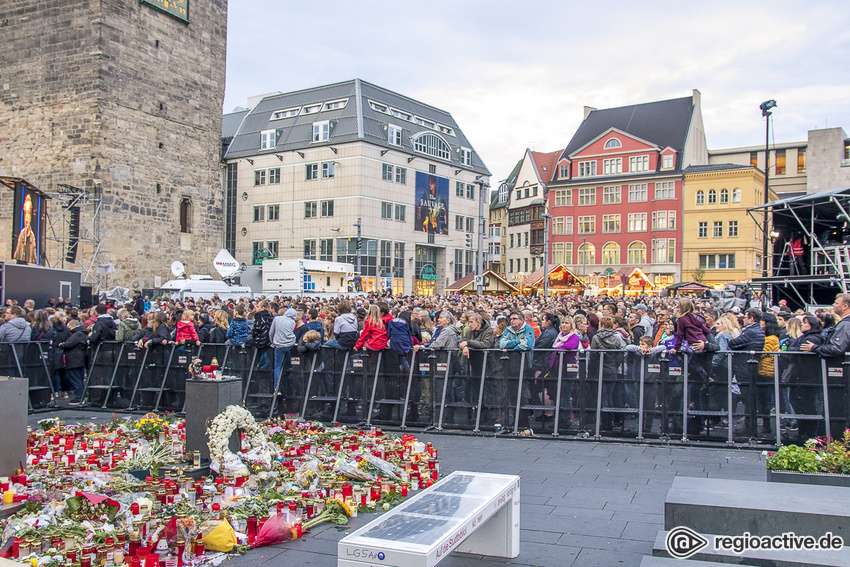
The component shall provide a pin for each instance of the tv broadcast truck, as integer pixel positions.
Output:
(204, 286)
(315, 278)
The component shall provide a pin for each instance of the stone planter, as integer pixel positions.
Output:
(820, 479)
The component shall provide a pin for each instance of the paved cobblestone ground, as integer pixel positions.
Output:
(583, 503)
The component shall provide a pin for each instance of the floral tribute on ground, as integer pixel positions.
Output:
(120, 494)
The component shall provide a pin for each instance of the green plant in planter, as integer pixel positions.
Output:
(834, 454)
(793, 458)
(820, 455)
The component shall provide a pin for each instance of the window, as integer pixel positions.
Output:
(399, 212)
(702, 231)
(563, 198)
(259, 213)
(611, 253)
(458, 222)
(612, 166)
(273, 246)
(664, 251)
(611, 223)
(526, 239)
(312, 109)
(274, 212)
(780, 162)
(526, 264)
(470, 191)
(613, 143)
(708, 261)
(327, 208)
(564, 171)
(274, 175)
(612, 195)
(638, 164)
(432, 145)
(470, 224)
(401, 175)
(733, 228)
(510, 266)
(586, 254)
(255, 249)
(310, 209)
(568, 228)
(637, 222)
(558, 226)
(394, 135)
(309, 249)
(459, 189)
(268, 139)
(185, 215)
(736, 195)
(321, 131)
(718, 229)
(512, 240)
(712, 196)
(335, 104)
(587, 196)
(558, 252)
(754, 159)
(398, 260)
(387, 172)
(846, 149)
(260, 177)
(503, 193)
(663, 220)
(637, 253)
(386, 210)
(801, 160)
(465, 156)
(288, 113)
(665, 190)
(586, 168)
(724, 196)
(717, 261)
(326, 249)
(587, 225)
(312, 171)
(667, 161)
(637, 193)
(700, 197)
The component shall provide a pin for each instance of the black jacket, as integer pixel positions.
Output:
(74, 349)
(60, 335)
(260, 332)
(162, 335)
(204, 332)
(103, 330)
(218, 335)
(139, 306)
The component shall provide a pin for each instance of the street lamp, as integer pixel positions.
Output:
(583, 252)
(765, 107)
(546, 217)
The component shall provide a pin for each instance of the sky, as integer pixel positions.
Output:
(517, 75)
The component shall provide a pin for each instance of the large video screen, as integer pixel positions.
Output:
(28, 223)
(432, 203)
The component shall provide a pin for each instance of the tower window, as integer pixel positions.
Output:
(185, 215)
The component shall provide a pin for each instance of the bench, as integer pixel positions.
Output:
(467, 512)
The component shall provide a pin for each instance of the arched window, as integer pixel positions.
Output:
(611, 253)
(587, 254)
(613, 143)
(185, 215)
(432, 145)
(736, 195)
(700, 197)
(724, 196)
(712, 196)
(637, 253)
(503, 193)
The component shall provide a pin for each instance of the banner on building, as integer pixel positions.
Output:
(30, 218)
(432, 203)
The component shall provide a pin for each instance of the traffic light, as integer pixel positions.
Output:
(469, 240)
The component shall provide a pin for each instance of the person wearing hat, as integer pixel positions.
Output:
(645, 321)
(138, 303)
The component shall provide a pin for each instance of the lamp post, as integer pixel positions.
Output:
(765, 111)
(583, 252)
(546, 217)
(482, 226)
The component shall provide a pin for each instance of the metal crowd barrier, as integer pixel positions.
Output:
(727, 397)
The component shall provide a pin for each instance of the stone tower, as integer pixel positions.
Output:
(122, 98)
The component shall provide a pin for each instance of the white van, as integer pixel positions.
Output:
(201, 287)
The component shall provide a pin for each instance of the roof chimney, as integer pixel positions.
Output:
(697, 98)
(587, 111)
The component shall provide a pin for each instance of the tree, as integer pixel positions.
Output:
(698, 274)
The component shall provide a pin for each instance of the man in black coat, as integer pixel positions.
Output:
(104, 328)
(74, 350)
(138, 303)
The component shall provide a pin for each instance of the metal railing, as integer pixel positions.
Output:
(727, 397)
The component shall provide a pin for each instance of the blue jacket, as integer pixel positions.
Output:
(517, 340)
(750, 339)
(237, 333)
(400, 336)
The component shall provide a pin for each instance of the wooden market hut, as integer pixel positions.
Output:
(494, 284)
(561, 280)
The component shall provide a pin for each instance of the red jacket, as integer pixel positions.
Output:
(372, 337)
(186, 331)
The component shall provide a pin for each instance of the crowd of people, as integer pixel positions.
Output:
(631, 328)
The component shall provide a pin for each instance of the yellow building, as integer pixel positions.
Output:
(719, 236)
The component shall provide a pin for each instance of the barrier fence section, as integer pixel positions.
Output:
(727, 396)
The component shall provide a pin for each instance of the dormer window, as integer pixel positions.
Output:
(613, 143)
(465, 156)
(268, 139)
(564, 170)
(432, 145)
(288, 113)
(667, 161)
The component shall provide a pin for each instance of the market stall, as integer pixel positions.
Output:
(494, 284)
(561, 280)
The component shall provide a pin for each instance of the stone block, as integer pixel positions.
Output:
(13, 443)
(205, 399)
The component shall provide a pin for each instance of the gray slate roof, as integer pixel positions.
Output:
(664, 123)
(356, 122)
(715, 167)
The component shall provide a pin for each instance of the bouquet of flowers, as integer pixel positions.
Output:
(150, 427)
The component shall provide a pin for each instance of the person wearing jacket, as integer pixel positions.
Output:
(518, 335)
(128, 326)
(186, 332)
(60, 335)
(15, 329)
(218, 334)
(479, 338)
(205, 328)
(750, 339)
(260, 332)
(104, 327)
(567, 340)
(237, 331)
(606, 338)
(282, 339)
(374, 335)
(345, 328)
(804, 395)
(74, 353)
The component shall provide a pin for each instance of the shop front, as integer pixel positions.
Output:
(425, 276)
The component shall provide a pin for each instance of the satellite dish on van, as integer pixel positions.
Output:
(177, 269)
(225, 264)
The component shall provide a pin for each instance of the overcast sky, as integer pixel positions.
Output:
(516, 75)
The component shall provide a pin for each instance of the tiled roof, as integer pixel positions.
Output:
(715, 167)
(356, 121)
(546, 164)
(664, 123)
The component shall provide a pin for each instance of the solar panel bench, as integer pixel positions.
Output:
(468, 512)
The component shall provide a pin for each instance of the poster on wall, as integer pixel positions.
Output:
(432, 203)
(28, 223)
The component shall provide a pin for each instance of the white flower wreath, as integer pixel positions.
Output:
(255, 443)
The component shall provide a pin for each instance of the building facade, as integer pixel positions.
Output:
(720, 241)
(121, 101)
(788, 164)
(829, 160)
(303, 167)
(616, 199)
